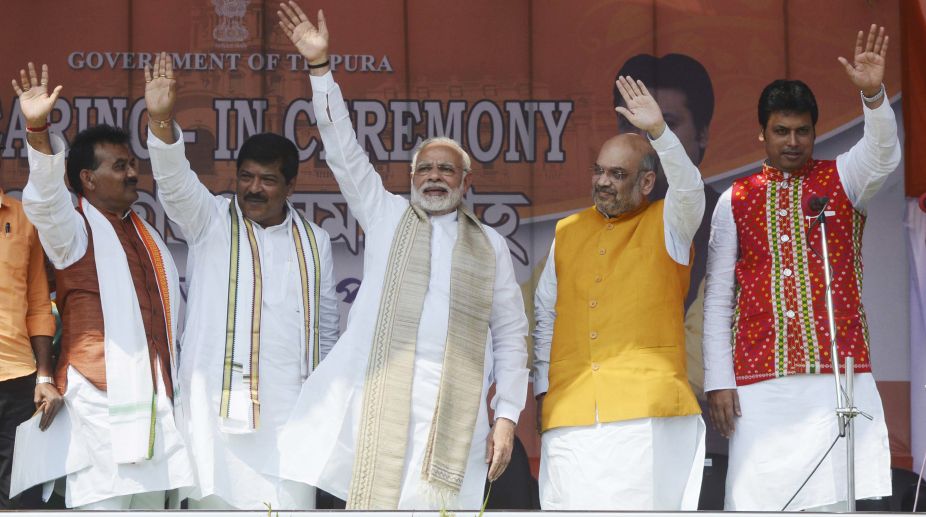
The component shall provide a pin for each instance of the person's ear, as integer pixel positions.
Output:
(87, 180)
(647, 182)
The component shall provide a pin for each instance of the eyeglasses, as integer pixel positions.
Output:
(613, 173)
(445, 169)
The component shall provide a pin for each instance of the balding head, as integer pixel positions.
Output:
(625, 173)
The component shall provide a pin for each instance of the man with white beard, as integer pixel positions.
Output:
(396, 416)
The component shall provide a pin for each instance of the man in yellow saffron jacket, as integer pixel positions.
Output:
(621, 427)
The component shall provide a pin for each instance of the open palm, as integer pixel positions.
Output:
(160, 88)
(640, 108)
(34, 100)
(311, 41)
(866, 71)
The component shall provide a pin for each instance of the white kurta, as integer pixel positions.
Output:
(239, 468)
(320, 439)
(789, 422)
(64, 237)
(641, 464)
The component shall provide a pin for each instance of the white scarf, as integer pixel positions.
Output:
(240, 402)
(131, 389)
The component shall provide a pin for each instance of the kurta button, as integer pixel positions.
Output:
(782, 212)
(601, 251)
(610, 226)
(595, 367)
(593, 304)
(593, 335)
(787, 272)
(598, 278)
(785, 238)
(789, 314)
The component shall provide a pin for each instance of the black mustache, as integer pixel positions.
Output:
(254, 197)
(131, 181)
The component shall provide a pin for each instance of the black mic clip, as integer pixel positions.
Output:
(817, 205)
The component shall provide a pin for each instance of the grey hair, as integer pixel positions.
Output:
(467, 163)
(650, 162)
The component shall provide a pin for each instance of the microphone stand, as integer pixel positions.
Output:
(845, 408)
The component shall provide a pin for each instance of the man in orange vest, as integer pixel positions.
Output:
(621, 427)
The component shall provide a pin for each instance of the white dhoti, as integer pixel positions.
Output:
(169, 467)
(786, 427)
(642, 464)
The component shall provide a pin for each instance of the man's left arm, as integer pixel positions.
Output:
(508, 326)
(684, 202)
(40, 325)
(865, 167)
(329, 318)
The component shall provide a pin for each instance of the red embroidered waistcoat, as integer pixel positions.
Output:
(780, 326)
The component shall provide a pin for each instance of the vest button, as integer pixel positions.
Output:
(595, 367)
(601, 251)
(787, 272)
(593, 304)
(790, 314)
(785, 238)
(782, 212)
(593, 335)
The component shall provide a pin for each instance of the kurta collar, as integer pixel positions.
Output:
(774, 174)
(452, 216)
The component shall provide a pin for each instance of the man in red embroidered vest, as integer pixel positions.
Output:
(118, 292)
(770, 392)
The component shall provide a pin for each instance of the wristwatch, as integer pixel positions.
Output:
(44, 379)
(874, 98)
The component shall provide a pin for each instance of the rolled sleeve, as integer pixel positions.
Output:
(39, 319)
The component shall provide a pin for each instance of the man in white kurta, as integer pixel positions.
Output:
(236, 462)
(321, 439)
(782, 422)
(615, 325)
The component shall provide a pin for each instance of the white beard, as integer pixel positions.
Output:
(433, 204)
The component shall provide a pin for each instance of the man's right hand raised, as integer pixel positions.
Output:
(311, 41)
(36, 104)
(160, 96)
(724, 407)
(34, 100)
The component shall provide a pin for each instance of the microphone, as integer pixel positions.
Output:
(817, 204)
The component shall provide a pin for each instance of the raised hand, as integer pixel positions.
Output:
(34, 100)
(160, 89)
(311, 41)
(866, 71)
(640, 108)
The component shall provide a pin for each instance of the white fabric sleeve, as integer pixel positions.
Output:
(508, 329)
(544, 317)
(719, 298)
(358, 181)
(185, 199)
(864, 168)
(329, 317)
(48, 205)
(684, 204)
